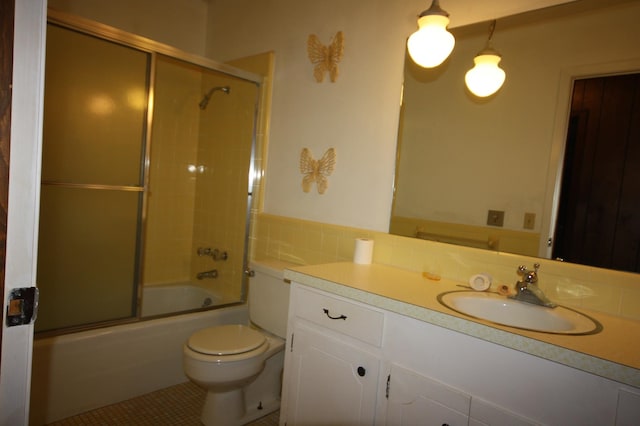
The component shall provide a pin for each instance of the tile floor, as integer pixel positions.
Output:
(173, 406)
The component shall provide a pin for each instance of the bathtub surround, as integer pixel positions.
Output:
(78, 372)
(305, 243)
(181, 198)
(180, 297)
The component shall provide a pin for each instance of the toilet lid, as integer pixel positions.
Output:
(226, 340)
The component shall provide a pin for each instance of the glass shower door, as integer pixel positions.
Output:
(92, 180)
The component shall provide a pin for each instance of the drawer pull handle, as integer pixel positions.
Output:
(361, 371)
(326, 311)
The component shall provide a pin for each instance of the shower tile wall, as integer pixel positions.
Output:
(199, 175)
(172, 174)
(224, 153)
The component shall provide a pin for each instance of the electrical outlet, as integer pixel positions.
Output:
(495, 218)
(529, 221)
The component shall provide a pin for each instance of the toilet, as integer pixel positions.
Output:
(240, 365)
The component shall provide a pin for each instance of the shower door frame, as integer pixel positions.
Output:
(154, 49)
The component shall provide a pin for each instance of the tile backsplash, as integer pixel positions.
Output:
(305, 242)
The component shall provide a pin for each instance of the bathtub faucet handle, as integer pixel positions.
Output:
(220, 255)
(214, 253)
(205, 251)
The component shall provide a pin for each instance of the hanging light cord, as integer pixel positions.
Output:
(492, 28)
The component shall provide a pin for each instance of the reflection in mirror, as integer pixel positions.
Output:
(487, 172)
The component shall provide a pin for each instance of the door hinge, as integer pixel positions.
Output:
(291, 345)
(388, 386)
(22, 306)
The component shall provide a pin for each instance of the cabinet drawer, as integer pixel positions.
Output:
(343, 316)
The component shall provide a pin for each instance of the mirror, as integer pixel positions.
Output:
(499, 159)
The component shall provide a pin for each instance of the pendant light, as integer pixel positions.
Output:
(486, 77)
(432, 43)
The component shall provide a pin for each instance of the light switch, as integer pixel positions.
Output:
(495, 218)
(529, 221)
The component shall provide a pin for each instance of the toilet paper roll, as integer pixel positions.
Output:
(480, 282)
(363, 252)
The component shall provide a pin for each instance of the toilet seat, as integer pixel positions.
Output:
(226, 340)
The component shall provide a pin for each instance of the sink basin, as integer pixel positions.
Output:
(504, 311)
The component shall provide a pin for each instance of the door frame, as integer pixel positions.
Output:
(23, 203)
(559, 138)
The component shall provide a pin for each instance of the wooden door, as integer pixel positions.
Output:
(599, 214)
(6, 68)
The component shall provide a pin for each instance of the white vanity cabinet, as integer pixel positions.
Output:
(332, 361)
(379, 367)
(414, 399)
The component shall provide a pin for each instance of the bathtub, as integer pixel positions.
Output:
(180, 297)
(90, 369)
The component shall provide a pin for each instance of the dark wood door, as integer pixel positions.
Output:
(6, 72)
(599, 214)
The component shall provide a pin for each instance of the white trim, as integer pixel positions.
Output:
(24, 194)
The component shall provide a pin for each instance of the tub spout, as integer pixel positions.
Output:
(207, 274)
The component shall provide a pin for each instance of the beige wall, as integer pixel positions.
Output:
(178, 23)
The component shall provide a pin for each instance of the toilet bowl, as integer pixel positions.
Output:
(240, 365)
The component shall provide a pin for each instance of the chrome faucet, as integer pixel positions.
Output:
(528, 291)
(207, 274)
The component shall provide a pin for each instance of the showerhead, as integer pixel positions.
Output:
(205, 100)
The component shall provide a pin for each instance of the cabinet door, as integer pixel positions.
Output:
(331, 381)
(418, 400)
(484, 413)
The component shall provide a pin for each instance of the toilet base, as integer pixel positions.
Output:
(223, 408)
(255, 400)
(228, 409)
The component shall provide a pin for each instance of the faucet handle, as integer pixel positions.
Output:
(528, 275)
(522, 270)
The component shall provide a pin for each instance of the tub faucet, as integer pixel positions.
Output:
(207, 274)
(214, 253)
(528, 291)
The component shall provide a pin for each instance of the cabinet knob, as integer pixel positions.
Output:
(361, 371)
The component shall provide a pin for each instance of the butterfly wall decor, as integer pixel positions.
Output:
(325, 58)
(316, 170)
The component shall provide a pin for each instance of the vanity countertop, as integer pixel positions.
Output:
(614, 353)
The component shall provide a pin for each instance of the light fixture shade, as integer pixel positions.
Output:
(486, 77)
(432, 43)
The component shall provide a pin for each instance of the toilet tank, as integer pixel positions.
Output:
(269, 297)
